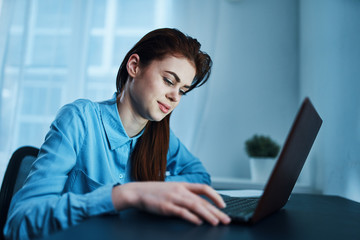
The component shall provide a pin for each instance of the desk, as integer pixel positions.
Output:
(303, 217)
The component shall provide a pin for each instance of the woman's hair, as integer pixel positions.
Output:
(149, 157)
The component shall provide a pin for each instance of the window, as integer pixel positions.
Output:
(59, 51)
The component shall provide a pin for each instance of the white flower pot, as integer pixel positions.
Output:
(261, 168)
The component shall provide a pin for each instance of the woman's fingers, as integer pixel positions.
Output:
(203, 209)
(209, 192)
(186, 195)
(195, 210)
(184, 213)
(225, 219)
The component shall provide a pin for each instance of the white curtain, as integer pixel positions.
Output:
(53, 52)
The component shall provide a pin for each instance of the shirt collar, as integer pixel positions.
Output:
(114, 129)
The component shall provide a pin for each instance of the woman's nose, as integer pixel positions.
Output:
(173, 96)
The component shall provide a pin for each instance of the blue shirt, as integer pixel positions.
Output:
(84, 154)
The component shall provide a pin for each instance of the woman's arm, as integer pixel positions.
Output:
(42, 206)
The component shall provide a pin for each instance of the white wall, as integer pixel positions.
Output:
(269, 55)
(254, 84)
(330, 74)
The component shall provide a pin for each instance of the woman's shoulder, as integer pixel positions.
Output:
(80, 110)
(80, 106)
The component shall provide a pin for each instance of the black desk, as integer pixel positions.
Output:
(303, 217)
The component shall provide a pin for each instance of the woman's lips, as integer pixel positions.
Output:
(163, 107)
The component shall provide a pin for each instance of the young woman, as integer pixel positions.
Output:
(101, 158)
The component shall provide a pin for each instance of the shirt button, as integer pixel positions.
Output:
(121, 176)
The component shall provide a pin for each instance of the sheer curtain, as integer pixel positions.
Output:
(53, 52)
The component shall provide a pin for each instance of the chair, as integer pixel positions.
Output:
(15, 175)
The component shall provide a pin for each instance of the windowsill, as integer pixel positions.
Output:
(223, 183)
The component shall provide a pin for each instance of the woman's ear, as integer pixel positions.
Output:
(132, 65)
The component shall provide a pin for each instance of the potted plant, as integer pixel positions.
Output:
(262, 151)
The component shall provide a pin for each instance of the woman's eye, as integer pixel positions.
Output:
(182, 92)
(168, 81)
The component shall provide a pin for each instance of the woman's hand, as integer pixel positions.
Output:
(172, 199)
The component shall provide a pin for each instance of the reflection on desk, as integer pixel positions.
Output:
(303, 217)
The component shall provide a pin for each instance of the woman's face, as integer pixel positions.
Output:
(155, 90)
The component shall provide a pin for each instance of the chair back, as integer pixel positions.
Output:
(14, 178)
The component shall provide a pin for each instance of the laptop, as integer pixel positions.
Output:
(285, 172)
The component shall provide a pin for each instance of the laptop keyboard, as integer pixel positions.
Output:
(239, 207)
